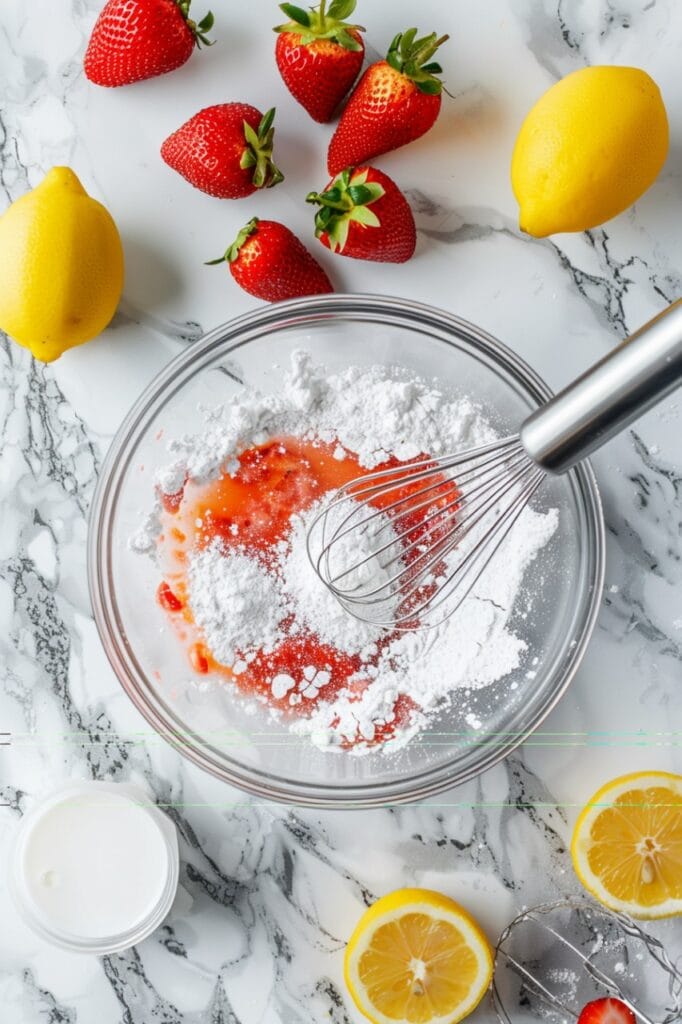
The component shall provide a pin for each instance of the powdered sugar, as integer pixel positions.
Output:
(244, 605)
(236, 603)
(373, 412)
(313, 605)
(470, 650)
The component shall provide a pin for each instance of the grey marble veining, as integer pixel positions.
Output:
(269, 896)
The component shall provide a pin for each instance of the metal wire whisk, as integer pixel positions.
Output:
(403, 547)
(553, 959)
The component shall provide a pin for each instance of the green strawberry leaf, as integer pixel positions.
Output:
(200, 29)
(317, 23)
(251, 136)
(258, 152)
(348, 199)
(363, 215)
(362, 194)
(266, 122)
(407, 41)
(338, 234)
(430, 86)
(412, 57)
(395, 42)
(323, 219)
(394, 60)
(297, 14)
(341, 9)
(345, 39)
(231, 254)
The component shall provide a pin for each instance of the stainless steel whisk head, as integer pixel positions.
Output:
(384, 543)
(553, 959)
(404, 546)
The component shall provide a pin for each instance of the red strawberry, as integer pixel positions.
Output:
(135, 39)
(319, 55)
(365, 215)
(606, 1011)
(396, 101)
(225, 150)
(268, 261)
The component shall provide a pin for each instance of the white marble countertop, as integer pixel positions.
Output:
(269, 895)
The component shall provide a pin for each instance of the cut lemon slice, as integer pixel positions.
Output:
(416, 956)
(627, 844)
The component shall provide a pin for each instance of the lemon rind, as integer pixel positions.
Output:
(591, 882)
(438, 907)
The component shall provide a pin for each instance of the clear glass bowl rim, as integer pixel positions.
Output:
(169, 380)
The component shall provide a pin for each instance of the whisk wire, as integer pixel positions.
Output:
(408, 521)
(407, 478)
(471, 563)
(461, 530)
(438, 551)
(396, 538)
(430, 464)
(540, 990)
(536, 972)
(598, 975)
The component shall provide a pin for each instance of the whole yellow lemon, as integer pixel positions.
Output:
(588, 149)
(61, 266)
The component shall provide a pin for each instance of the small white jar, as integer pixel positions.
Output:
(94, 867)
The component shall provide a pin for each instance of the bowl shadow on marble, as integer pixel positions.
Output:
(473, 115)
(152, 276)
(152, 281)
(300, 163)
(653, 207)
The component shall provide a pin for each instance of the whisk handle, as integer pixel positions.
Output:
(632, 378)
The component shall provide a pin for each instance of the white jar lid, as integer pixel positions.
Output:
(94, 867)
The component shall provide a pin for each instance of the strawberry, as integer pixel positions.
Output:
(136, 39)
(225, 150)
(395, 101)
(606, 1011)
(319, 55)
(365, 215)
(268, 261)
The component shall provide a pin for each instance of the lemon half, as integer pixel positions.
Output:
(627, 845)
(417, 956)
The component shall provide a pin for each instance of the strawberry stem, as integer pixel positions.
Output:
(412, 58)
(322, 23)
(232, 251)
(198, 29)
(347, 199)
(258, 152)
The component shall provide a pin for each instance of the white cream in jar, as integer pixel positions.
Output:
(95, 867)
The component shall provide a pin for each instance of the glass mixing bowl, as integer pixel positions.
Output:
(555, 614)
